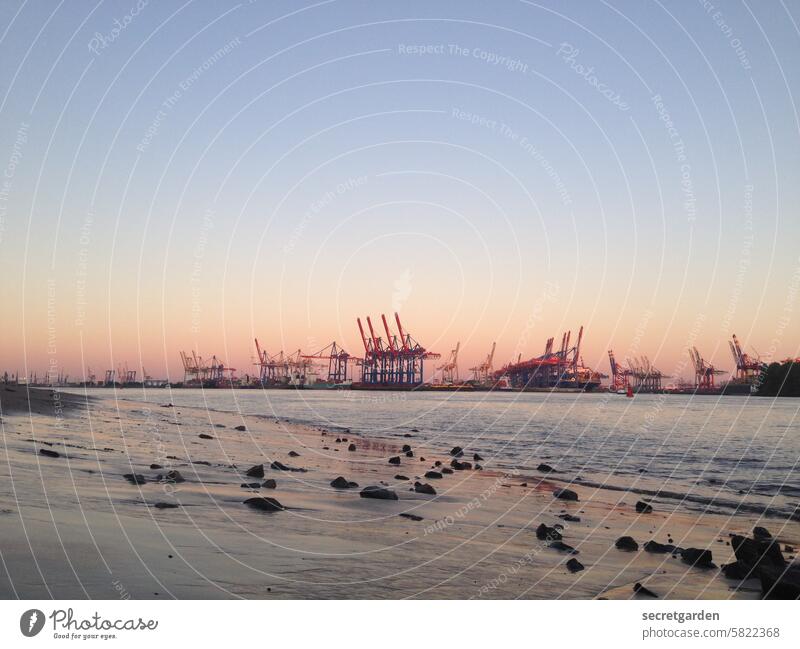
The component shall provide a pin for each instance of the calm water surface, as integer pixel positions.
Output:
(726, 454)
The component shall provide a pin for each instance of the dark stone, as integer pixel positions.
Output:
(643, 507)
(406, 448)
(401, 477)
(255, 472)
(250, 485)
(156, 466)
(642, 590)
(562, 547)
(567, 517)
(240, 428)
(412, 517)
(294, 454)
(626, 543)
(433, 475)
(204, 436)
(565, 494)
(134, 478)
(378, 492)
(460, 466)
(414, 430)
(753, 553)
(166, 506)
(394, 460)
(697, 557)
(545, 468)
(409, 453)
(573, 565)
(174, 476)
(446, 470)
(544, 533)
(761, 533)
(270, 484)
(422, 488)
(352, 447)
(437, 463)
(341, 483)
(477, 457)
(48, 453)
(780, 583)
(736, 570)
(457, 451)
(265, 504)
(478, 467)
(279, 466)
(658, 548)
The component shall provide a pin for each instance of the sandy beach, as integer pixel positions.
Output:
(74, 526)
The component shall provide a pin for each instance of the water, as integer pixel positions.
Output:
(725, 454)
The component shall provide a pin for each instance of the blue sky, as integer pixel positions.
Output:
(212, 172)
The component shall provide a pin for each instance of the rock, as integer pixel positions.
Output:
(643, 507)
(565, 494)
(562, 547)
(409, 453)
(174, 476)
(162, 505)
(352, 447)
(754, 553)
(294, 454)
(240, 428)
(477, 457)
(406, 448)
(394, 460)
(433, 475)
(269, 484)
(457, 451)
(412, 517)
(279, 466)
(250, 485)
(545, 468)
(627, 544)
(378, 492)
(447, 470)
(544, 533)
(736, 570)
(780, 583)
(568, 517)
(256, 471)
(478, 467)
(156, 466)
(460, 466)
(658, 548)
(401, 477)
(265, 504)
(340, 483)
(761, 533)
(48, 453)
(414, 430)
(697, 557)
(573, 565)
(204, 436)
(642, 590)
(134, 478)
(422, 488)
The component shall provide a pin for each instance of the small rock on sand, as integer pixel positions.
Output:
(545, 468)
(477, 457)
(48, 453)
(761, 533)
(433, 475)
(697, 557)
(269, 484)
(543, 532)
(644, 591)
(156, 466)
(658, 548)
(265, 504)
(174, 476)
(568, 517)
(342, 483)
(294, 454)
(240, 428)
(394, 460)
(162, 505)
(204, 436)
(447, 470)
(256, 471)
(406, 448)
(573, 565)
(565, 494)
(457, 451)
(401, 477)
(250, 485)
(422, 488)
(626, 543)
(460, 466)
(134, 478)
(378, 492)
(643, 507)
(352, 447)
(412, 517)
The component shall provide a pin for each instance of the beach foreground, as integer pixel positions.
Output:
(74, 526)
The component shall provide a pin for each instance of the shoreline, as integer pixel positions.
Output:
(89, 526)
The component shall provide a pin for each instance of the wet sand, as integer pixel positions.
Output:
(74, 527)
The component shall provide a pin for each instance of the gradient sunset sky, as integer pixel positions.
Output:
(192, 175)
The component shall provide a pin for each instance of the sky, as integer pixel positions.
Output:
(193, 175)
